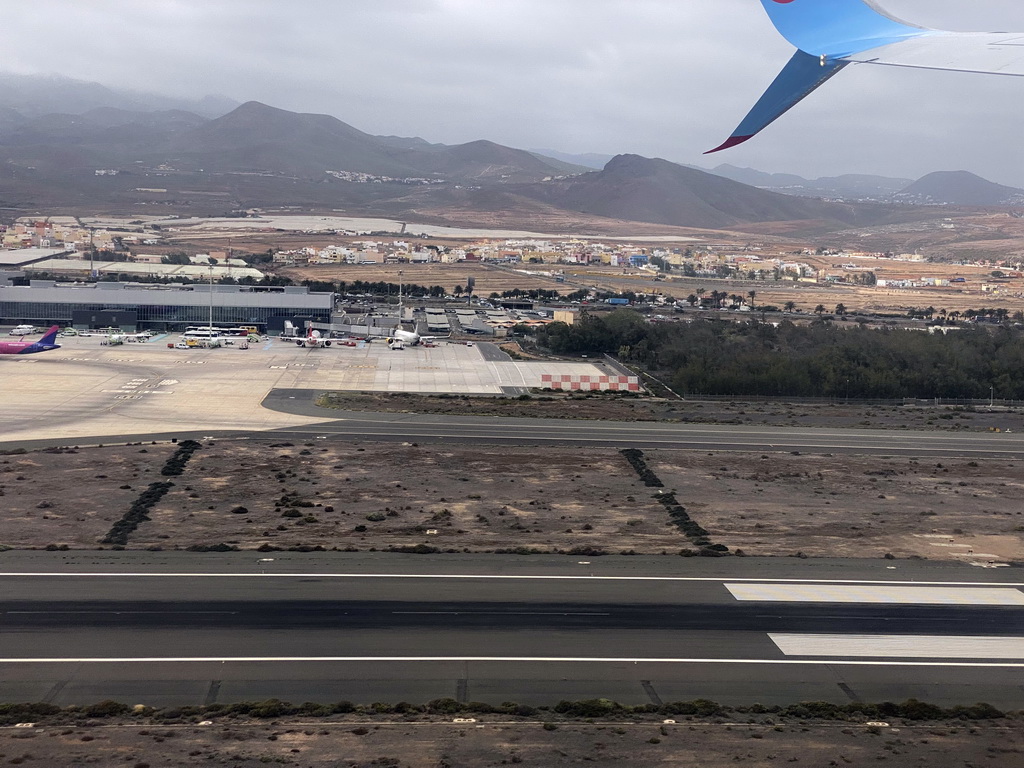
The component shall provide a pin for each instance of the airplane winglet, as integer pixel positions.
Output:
(802, 75)
(732, 141)
(825, 35)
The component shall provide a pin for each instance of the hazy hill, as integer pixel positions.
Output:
(37, 95)
(848, 186)
(257, 137)
(657, 191)
(487, 161)
(591, 160)
(959, 188)
(102, 126)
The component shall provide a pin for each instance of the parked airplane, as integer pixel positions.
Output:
(45, 344)
(411, 338)
(832, 34)
(405, 337)
(314, 340)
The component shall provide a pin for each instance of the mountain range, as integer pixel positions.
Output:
(125, 154)
(939, 188)
(38, 95)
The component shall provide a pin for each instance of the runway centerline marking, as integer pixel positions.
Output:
(503, 659)
(493, 577)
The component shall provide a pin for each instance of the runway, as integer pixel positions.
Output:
(405, 427)
(535, 635)
(521, 431)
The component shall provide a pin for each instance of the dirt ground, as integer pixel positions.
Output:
(448, 745)
(615, 407)
(254, 493)
(72, 496)
(851, 506)
(476, 498)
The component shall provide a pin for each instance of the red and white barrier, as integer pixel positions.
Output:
(586, 383)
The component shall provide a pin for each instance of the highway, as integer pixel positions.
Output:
(532, 633)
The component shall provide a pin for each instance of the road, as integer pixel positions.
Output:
(535, 632)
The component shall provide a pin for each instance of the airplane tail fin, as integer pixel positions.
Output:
(51, 336)
(837, 28)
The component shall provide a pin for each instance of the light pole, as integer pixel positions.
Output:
(211, 299)
(991, 396)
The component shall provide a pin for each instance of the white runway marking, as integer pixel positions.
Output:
(900, 646)
(499, 659)
(484, 577)
(847, 593)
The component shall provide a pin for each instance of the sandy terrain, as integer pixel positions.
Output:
(74, 496)
(378, 495)
(781, 504)
(365, 496)
(319, 744)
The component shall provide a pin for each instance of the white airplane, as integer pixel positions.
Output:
(406, 337)
(411, 338)
(829, 35)
(313, 340)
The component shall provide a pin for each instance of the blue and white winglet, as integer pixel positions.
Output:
(832, 34)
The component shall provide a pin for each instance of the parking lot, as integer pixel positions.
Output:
(88, 388)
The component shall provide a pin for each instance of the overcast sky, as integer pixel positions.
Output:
(661, 78)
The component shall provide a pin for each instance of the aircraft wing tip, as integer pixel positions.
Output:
(729, 143)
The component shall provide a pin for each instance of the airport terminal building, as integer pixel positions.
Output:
(160, 307)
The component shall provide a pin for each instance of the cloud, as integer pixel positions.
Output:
(657, 77)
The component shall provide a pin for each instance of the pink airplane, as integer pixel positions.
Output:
(45, 344)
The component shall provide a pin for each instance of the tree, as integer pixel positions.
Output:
(789, 306)
(752, 294)
(841, 309)
(176, 257)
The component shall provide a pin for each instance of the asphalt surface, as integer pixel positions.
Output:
(423, 428)
(548, 629)
(523, 431)
(507, 616)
